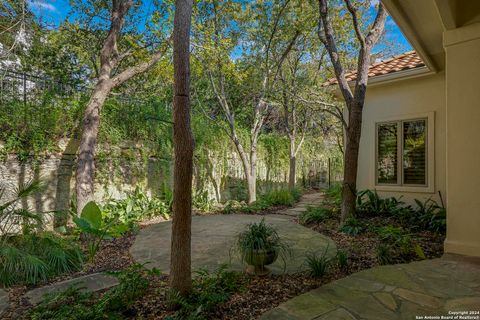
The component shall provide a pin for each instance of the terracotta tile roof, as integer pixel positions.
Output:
(404, 61)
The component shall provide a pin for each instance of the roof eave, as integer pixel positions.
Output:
(392, 77)
(400, 18)
(400, 75)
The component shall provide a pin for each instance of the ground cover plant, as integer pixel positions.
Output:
(115, 303)
(135, 208)
(34, 258)
(29, 255)
(384, 230)
(268, 202)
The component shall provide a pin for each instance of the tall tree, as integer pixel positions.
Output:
(109, 77)
(180, 262)
(270, 42)
(355, 99)
(296, 115)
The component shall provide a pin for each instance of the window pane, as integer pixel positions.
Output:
(414, 152)
(387, 153)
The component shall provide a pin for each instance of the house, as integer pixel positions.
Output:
(421, 123)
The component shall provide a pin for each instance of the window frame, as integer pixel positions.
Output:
(428, 187)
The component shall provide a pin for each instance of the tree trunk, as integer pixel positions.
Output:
(211, 175)
(86, 154)
(180, 262)
(252, 182)
(352, 145)
(252, 189)
(293, 162)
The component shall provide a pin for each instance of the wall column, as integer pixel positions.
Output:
(462, 46)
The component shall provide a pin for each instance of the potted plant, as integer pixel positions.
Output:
(259, 245)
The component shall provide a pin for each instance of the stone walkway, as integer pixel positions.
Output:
(426, 288)
(92, 282)
(4, 300)
(213, 238)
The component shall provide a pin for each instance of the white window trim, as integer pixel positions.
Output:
(430, 186)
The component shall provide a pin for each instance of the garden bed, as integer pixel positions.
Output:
(113, 255)
(362, 248)
(249, 296)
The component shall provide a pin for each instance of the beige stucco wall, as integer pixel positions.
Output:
(398, 100)
(463, 139)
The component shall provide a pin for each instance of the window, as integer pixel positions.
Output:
(402, 153)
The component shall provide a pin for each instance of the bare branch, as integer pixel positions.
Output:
(142, 67)
(356, 26)
(364, 54)
(284, 55)
(378, 25)
(272, 35)
(337, 112)
(329, 41)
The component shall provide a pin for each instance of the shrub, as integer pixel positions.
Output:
(352, 227)
(334, 193)
(208, 291)
(315, 215)
(135, 208)
(231, 206)
(318, 264)
(342, 258)
(34, 258)
(132, 284)
(283, 197)
(384, 255)
(91, 224)
(73, 303)
(201, 201)
(391, 234)
(397, 239)
(369, 202)
(296, 193)
(255, 207)
(429, 215)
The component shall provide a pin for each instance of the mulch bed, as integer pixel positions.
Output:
(257, 295)
(362, 247)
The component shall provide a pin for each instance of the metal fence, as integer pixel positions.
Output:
(18, 86)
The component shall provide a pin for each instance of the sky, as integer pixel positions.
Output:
(53, 12)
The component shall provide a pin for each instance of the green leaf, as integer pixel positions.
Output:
(91, 212)
(82, 224)
(419, 251)
(61, 229)
(119, 229)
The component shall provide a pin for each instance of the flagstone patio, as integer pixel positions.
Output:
(213, 238)
(428, 288)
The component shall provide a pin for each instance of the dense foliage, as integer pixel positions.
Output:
(34, 258)
(27, 253)
(209, 291)
(77, 304)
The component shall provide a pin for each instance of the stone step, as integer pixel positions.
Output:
(92, 282)
(4, 300)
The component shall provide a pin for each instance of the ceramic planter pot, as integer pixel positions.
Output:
(258, 259)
